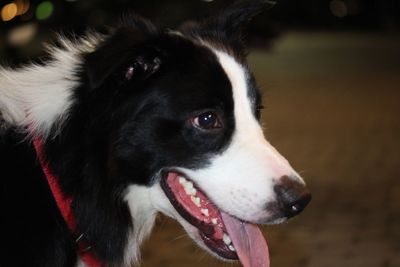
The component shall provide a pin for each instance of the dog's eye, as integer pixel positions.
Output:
(207, 121)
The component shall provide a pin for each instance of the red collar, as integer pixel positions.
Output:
(64, 205)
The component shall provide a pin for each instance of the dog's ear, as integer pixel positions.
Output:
(228, 25)
(124, 49)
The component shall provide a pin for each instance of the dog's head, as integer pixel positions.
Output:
(169, 121)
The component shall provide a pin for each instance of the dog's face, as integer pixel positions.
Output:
(186, 134)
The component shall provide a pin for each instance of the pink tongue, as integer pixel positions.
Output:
(249, 242)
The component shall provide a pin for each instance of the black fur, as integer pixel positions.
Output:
(32, 229)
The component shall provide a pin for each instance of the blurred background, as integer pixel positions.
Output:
(330, 74)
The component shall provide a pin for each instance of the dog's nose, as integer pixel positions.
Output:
(292, 196)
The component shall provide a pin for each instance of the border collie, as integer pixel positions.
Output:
(115, 128)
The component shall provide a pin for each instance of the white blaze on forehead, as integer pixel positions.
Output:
(237, 75)
(247, 128)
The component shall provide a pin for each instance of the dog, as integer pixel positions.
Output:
(114, 128)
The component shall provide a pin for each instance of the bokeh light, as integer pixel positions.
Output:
(44, 10)
(338, 8)
(9, 11)
(22, 35)
(22, 6)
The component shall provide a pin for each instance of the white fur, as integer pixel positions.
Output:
(38, 96)
(143, 212)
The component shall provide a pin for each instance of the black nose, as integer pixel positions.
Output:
(292, 196)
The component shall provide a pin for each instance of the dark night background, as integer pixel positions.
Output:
(21, 36)
(330, 75)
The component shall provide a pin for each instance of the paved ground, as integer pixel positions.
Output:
(333, 109)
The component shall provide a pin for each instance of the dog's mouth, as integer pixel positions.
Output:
(226, 236)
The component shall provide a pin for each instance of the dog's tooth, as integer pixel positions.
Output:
(227, 240)
(205, 212)
(188, 191)
(182, 180)
(214, 221)
(193, 191)
(196, 201)
(231, 248)
(188, 186)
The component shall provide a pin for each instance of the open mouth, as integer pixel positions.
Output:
(225, 235)
(200, 212)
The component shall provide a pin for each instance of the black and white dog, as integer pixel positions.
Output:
(139, 121)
